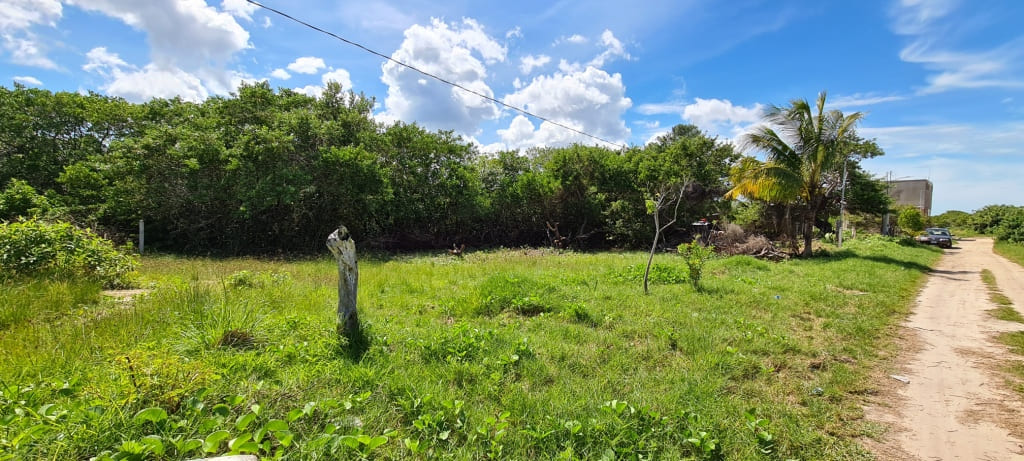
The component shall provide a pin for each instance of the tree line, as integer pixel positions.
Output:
(264, 170)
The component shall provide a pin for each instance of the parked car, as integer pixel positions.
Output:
(937, 236)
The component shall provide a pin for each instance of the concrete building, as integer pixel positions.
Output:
(914, 192)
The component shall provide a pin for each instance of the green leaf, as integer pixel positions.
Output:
(188, 445)
(276, 425)
(212, 443)
(294, 414)
(248, 447)
(153, 414)
(350, 441)
(221, 410)
(285, 437)
(260, 433)
(375, 442)
(244, 421)
(155, 444)
(238, 441)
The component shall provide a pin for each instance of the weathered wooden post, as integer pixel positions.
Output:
(344, 250)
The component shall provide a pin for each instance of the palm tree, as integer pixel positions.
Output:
(803, 146)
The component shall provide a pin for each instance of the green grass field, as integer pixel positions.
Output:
(516, 354)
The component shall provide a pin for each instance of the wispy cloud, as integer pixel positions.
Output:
(863, 99)
(657, 108)
(967, 162)
(932, 28)
(999, 139)
(28, 80)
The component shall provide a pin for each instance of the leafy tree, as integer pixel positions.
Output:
(804, 147)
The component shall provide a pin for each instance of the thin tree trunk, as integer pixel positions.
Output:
(812, 208)
(344, 250)
(654, 246)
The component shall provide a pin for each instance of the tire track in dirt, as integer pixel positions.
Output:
(956, 405)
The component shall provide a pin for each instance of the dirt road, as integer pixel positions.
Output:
(956, 405)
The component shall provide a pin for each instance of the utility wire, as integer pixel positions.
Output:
(435, 77)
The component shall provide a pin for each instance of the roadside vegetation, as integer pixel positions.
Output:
(544, 352)
(1012, 251)
(1005, 311)
(513, 354)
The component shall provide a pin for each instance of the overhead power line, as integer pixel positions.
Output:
(435, 77)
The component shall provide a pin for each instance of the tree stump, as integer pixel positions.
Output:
(344, 250)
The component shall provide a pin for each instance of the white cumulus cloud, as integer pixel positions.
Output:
(338, 75)
(189, 40)
(613, 49)
(102, 61)
(153, 81)
(529, 62)
(574, 38)
(710, 113)
(307, 65)
(16, 35)
(281, 74)
(341, 76)
(590, 100)
(141, 84)
(310, 90)
(457, 52)
(239, 8)
(715, 116)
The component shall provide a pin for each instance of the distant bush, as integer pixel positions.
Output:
(33, 248)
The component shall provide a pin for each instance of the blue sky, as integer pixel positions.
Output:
(941, 81)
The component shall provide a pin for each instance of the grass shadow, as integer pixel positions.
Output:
(354, 344)
(846, 254)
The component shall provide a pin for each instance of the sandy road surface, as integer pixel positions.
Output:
(956, 406)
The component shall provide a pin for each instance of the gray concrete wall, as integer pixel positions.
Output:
(914, 192)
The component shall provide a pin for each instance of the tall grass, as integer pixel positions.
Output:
(514, 354)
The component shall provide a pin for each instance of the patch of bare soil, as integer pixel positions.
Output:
(956, 405)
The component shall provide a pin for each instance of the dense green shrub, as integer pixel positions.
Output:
(990, 217)
(910, 220)
(33, 248)
(1011, 227)
(19, 199)
(696, 255)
